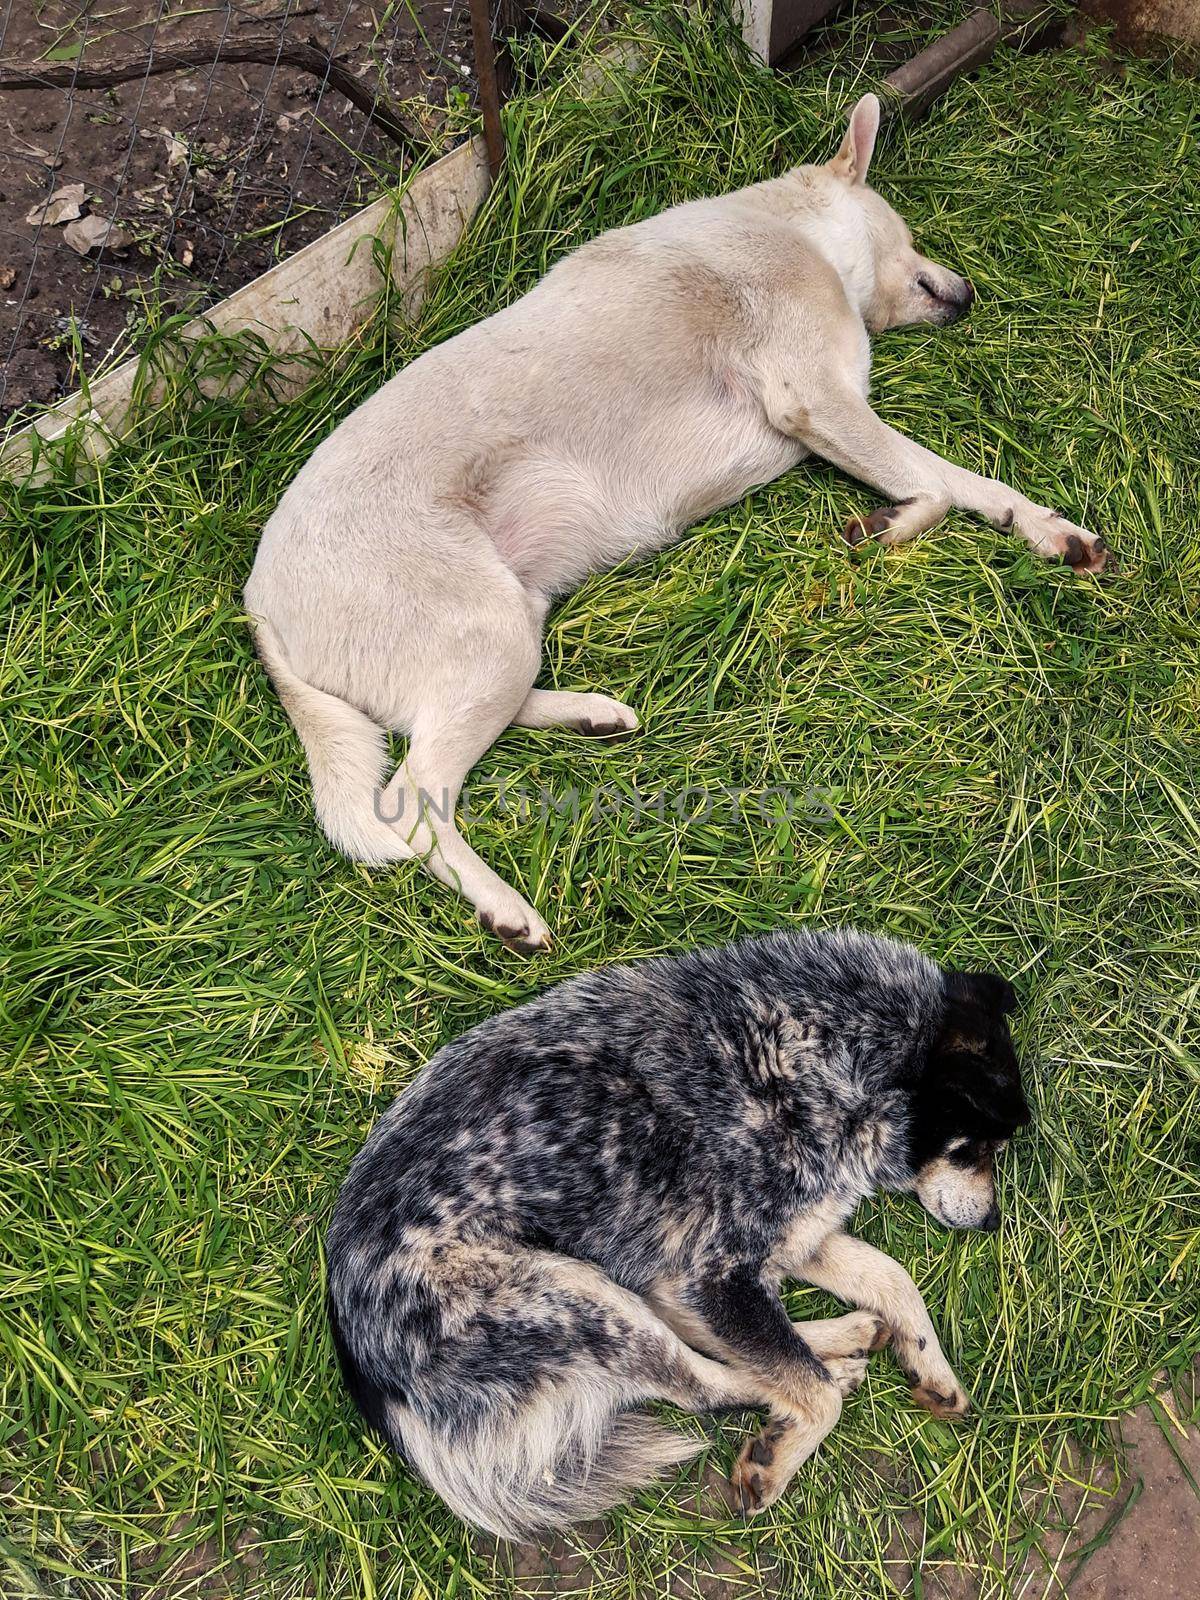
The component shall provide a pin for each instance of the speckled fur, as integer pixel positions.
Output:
(589, 1202)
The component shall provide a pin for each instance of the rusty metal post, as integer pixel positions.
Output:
(489, 88)
(917, 84)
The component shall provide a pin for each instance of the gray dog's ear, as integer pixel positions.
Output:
(988, 990)
(853, 159)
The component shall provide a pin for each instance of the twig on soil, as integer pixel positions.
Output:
(281, 16)
(306, 56)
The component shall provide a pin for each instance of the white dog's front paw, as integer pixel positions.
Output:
(1052, 536)
(516, 925)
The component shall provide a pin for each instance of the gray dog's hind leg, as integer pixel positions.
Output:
(805, 1394)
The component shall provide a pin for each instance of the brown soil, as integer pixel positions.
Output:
(1149, 26)
(1132, 1534)
(1149, 1542)
(212, 173)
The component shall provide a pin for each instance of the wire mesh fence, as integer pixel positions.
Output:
(157, 154)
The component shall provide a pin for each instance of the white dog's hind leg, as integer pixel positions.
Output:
(898, 524)
(419, 803)
(594, 714)
(474, 682)
(346, 754)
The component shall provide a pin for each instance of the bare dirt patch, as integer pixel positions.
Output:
(1147, 1547)
(1123, 1531)
(211, 174)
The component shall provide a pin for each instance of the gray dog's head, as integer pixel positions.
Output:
(907, 286)
(967, 1103)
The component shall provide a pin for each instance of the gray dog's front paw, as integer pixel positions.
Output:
(949, 1403)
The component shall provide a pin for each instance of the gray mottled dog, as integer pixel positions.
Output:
(588, 1203)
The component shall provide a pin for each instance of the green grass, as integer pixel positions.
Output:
(204, 1008)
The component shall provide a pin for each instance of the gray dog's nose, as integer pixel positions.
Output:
(991, 1222)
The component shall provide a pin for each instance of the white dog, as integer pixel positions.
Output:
(654, 375)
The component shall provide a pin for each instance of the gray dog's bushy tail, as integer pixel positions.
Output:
(559, 1458)
(346, 753)
(542, 1467)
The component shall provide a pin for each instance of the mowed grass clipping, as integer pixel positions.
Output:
(205, 1008)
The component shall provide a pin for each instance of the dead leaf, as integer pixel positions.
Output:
(64, 205)
(95, 233)
(8, 277)
(177, 150)
(35, 150)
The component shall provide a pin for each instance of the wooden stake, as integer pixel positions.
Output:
(918, 82)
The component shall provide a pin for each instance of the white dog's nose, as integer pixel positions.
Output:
(954, 294)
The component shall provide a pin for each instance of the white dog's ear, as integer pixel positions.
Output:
(853, 159)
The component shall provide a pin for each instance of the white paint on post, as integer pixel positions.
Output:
(756, 25)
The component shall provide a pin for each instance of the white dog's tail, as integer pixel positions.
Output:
(346, 753)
